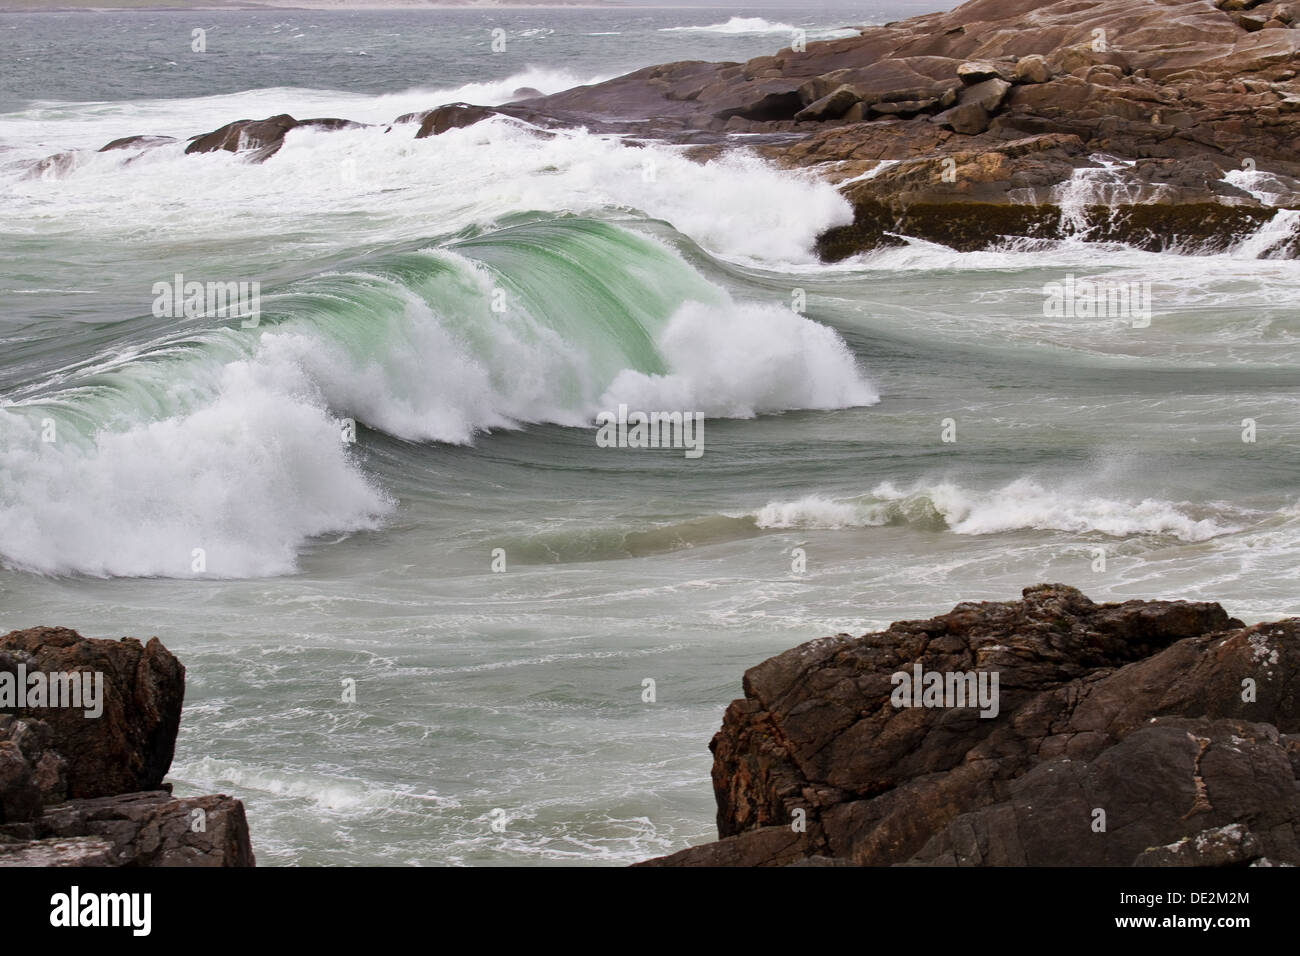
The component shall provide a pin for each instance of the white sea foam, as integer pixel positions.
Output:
(243, 457)
(246, 479)
(735, 25)
(756, 25)
(392, 187)
(1024, 504)
(740, 361)
(46, 127)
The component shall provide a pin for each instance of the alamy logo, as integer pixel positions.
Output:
(74, 908)
(626, 429)
(190, 299)
(946, 689)
(1098, 299)
(79, 690)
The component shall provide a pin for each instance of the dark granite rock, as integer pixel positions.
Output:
(1122, 734)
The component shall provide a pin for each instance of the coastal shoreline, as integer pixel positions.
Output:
(968, 128)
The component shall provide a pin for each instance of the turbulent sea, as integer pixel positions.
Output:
(1098, 452)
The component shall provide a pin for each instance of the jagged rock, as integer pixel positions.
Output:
(1161, 783)
(110, 753)
(35, 742)
(153, 829)
(130, 745)
(1135, 710)
(831, 106)
(416, 117)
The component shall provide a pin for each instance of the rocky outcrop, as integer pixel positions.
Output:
(129, 746)
(453, 116)
(260, 139)
(1100, 120)
(1105, 120)
(1142, 733)
(87, 732)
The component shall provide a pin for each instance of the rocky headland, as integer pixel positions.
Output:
(1145, 733)
(82, 784)
(1164, 124)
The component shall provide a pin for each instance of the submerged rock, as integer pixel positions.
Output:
(1146, 732)
(137, 142)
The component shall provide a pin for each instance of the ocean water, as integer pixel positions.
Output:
(496, 587)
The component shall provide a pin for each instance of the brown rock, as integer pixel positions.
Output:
(156, 829)
(134, 142)
(261, 138)
(1176, 80)
(74, 851)
(20, 797)
(129, 746)
(453, 116)
(1032, 69)
(35, 742)
(831, 106)
(966, 118)
(973, 72)
(988, 94)
(1134, 709)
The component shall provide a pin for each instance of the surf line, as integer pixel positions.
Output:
(624, 429)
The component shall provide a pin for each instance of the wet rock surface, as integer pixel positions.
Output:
(1146, 733)
(82, 766)
(1145, 103)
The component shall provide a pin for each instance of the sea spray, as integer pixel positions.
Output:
(225, 442)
